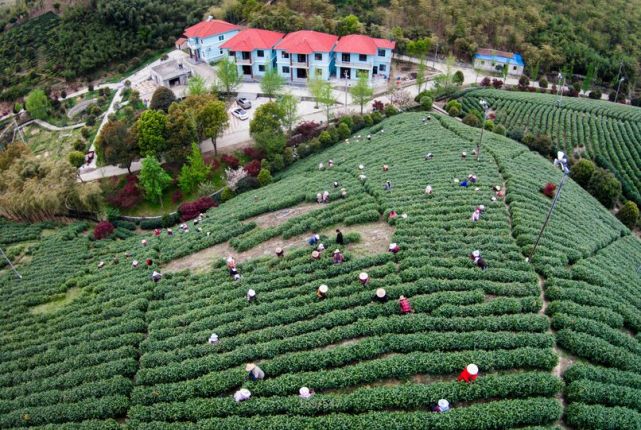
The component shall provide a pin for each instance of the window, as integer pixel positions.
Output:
(318, 57)
(362, 57)
(381, 67)
(302, 58)
(345, 58)
(260, 53)
(261, 67)
(381, 52)
(221, 37)
(285, 55)
(285, 69)
(220, 51)
(514, 68)
(232, 53)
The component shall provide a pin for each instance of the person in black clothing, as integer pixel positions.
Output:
(339, 237)
(380, 296)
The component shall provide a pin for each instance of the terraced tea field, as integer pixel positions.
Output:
(556, 341)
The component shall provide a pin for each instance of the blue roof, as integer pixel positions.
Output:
(515, 60)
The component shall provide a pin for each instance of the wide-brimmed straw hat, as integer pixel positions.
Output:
(363, 276)
(315, 254)
(304, 391)
(380, 293)
(323, 288)
(443, 403)
(476, 253)
(250, 366)
(251, 293)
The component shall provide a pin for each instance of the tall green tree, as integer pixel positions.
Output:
(268, 117)
(227, 74)
(589, 78)
(314, 85)
(326, 98)
(153, 179)
(215, 119)
(194, 172)
(272, 82)
(349, 24)
(37, 104)
(196, 86)
(181, 132)
(420, 75)
(289, 107)
(362, 92)
(151, 132)
(162, 98)
(116, 145)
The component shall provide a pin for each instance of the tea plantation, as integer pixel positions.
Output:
(556, 340)
(608, 133)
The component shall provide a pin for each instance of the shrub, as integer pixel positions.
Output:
(458, 78)
(489, 125)
(17, 107)
(499, 129)
(230, 161)
(246, 184)
(524, 82)
(390, 110)
(307, 129)
(486, 82)
(604, 187)
(426, 102)
(516, 134)
(264, 177)
(367, 120)
(90, 121)
(358, 123)
(454, 111)
(191, 210)
(227, 194)
(620, 98)
(252, 168)
(582, 171)
(378, 106)
(207, 188)
(472, 120)
(176, 196)
(277, 163)
(543, 83)
(422, 94)
(376, 117)
(595, 94)
(128, 196)
(102, 230)
(549, 189)
(325, 139)
(254, 153)
(76, 158)
(497, 83)
(629, 214)
(347, 120)
(636, 102)
(343, 131)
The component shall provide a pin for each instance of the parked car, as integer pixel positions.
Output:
(243, 103)
(240, 114)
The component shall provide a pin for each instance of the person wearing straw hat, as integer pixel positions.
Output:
(156, 232)
(387, 186)
(134, 264)
(336, 184)
(305, 393)
(213, 339)
(392, 215)
(429, 156)
(233, 272)
(339, 237)
(251, 295)
(381, 296)
(463, 183)
(321, 166)
(428, 190)
(472, 178)
(319, 198)
(320, 247)
(469, 374)
(475, 256)
(385, 167)
(313, 240)
(101, 265)
(394, 248)
(330, 164)
(442, 406)
(326, 196)
(404, 304)
(343, 192)
(363, 278)
(170, 232)
(242, 394)
(155, 276)
(338, 257)
(361, 167)
(476, 215)
(321, 292)
(500, 193)
(255, 372)
(463, 155)
(280, 252)
(362, 178)
(231, 263)
(369, 137)
(144, 242)
(315, 255)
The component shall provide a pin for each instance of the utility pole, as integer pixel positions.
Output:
(484, 104)
(616, 97)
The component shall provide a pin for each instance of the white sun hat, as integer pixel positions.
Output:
(279, 250)
(456, 180)
(361, 167)
(245, 392)
(230, 259)
(476, 253)
(323, 288)
(392, 246)
(443, 404)
(338, 251)
(380, 293)
(251, 293)
(304, 391)
(472, 369)
(317, 237)
(482, 207)
(363, 276)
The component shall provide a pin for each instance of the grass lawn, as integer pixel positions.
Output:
(50, 144)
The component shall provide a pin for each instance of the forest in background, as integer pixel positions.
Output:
(81, 42)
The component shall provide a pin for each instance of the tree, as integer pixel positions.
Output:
(349, 25)
(420, 75)
(472, 120)
(589, 78)
(504, 71)
(215, 119)
(629, 214)
(272, 82)
(314, 85)
(326, 97)
(271, 143)
(153, 179)
(151, 132)
(582, 171)
(524, 82)
(458, 78)
(604, 187)
(361, 92)
(181, 132)
(268, 118)
(426, 103)
(117, 145)
(227, 73)
(37, 104)
(163, 98)
(76, 159)
(196, 86)
(289, 107)
(264, 177)
(194, 172)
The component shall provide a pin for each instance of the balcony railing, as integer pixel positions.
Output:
(355, 64)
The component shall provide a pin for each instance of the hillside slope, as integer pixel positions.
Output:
(608, 133)
(128, 348)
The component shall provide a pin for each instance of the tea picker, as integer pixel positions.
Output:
(404, 304)
(475, 256)
(338, 257)
(322, 291)
(255, 372)
(242, 394)
(469, 374)
(380, 296)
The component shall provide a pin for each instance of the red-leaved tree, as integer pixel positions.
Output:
(191, 210)
(252, 168)
(102, 230)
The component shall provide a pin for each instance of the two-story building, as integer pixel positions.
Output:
(304, 52)
(357, 53)
(253, 51)
(205, 39)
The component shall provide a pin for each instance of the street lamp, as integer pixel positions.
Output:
(561, 80)
(18, 275)
(562, 161)
(485, 105)
(616, 97)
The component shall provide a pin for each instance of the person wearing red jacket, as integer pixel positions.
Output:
(469, 374)
(406, 308)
